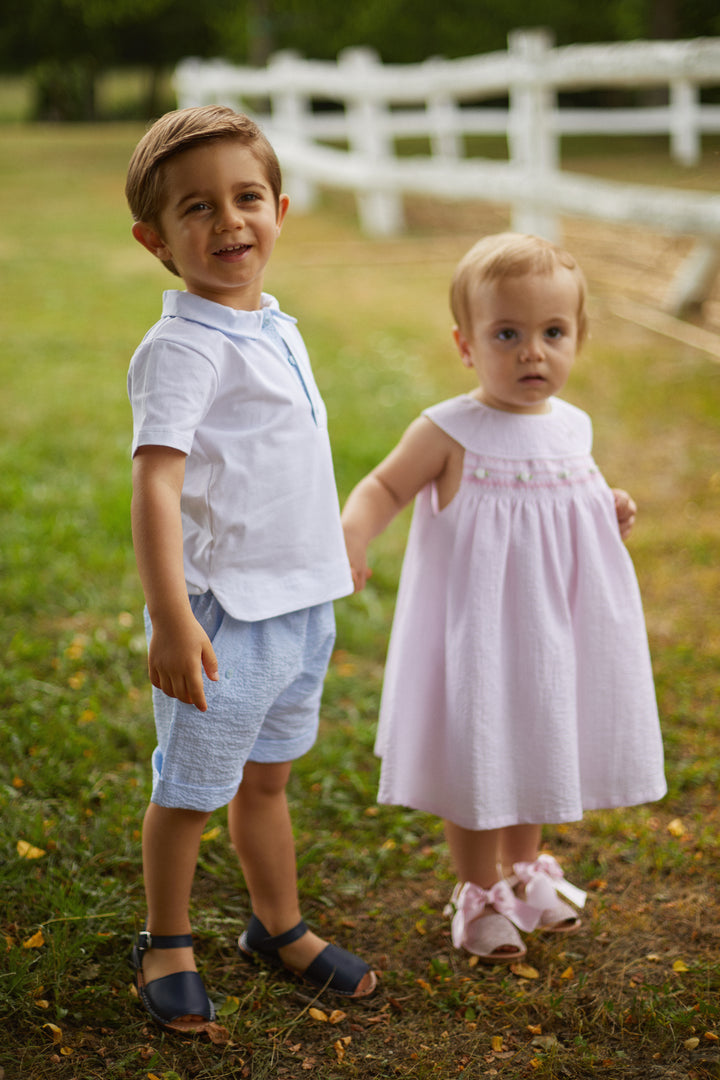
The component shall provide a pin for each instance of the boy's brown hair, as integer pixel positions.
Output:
(510, 255)
(178, 131)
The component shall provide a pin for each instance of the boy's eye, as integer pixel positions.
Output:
(507, 334)
(554, 332)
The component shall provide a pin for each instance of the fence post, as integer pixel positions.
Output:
(684, 122)
(441, 110)
(380, 212)
(532, 142)
(290, 111)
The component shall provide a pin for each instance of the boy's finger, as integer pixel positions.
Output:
(210, 664)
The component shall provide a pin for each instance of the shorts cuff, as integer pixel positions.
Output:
(274, 751)
(184, 797)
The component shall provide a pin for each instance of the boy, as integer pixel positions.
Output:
(239, 548)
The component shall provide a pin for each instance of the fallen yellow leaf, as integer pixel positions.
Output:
(425, 986)
(524, 971)
(211, 834)
(710, 1036)
(337, 1016)
(27, 851)
(535, 1029)
(66, 1051)
(691, 1044)
(35, 942)
(567, 973)
(497, 1043)
(318, 1014)
(340, 1046)
(53, 1031)
(680, 966)
(420, 927)
(676, 827)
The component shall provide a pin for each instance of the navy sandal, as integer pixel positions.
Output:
(176, 1002)
(333, 969)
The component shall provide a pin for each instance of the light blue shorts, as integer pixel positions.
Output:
(264, 707)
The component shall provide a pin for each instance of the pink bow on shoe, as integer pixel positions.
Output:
(470, 901)
(543, 880)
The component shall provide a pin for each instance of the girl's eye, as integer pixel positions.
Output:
(554, 332)
(507, 334)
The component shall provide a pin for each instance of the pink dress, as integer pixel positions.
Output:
(518, 686)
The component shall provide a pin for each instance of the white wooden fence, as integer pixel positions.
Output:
(340, 125)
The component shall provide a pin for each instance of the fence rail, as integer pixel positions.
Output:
(342, 124)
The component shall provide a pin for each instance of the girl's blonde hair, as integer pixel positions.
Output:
(510, 255)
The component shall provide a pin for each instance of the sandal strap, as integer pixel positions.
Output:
(259, 940)
(146, 941)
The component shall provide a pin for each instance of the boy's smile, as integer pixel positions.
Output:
(522, 340)
(219, 222)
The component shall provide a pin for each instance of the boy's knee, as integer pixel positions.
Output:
(264, 779)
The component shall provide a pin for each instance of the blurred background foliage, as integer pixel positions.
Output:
(66, 48)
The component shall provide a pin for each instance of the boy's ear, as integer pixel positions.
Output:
(463, 346)
(283, 203)
(151, 239)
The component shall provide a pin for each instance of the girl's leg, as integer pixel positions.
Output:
(261, 832)
(171, 840)
(475, 853)
(519, 843)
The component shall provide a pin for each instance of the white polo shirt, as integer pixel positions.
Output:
(261, 521)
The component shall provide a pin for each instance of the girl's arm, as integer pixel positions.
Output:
(626, 509)
(421, 456)
(179, 647)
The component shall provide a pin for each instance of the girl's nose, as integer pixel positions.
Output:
(532, 350)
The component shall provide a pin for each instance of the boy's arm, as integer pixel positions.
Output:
(179, 647)
(420, 457)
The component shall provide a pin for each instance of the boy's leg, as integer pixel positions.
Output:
(261, 832)
(171, 840)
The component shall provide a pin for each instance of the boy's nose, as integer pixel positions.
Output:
(229, 217)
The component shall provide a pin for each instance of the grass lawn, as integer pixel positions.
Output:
(635, 993)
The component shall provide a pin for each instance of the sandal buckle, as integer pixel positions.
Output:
(144, 940)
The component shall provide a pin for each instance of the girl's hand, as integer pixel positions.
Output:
(626, 511)
(357, 556)
(177, 657)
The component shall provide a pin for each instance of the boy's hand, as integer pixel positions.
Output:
(626, 510)
(177, 658)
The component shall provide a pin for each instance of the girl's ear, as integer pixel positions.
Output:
(150, 238)
(463, 346)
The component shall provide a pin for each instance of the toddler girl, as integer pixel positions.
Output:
(518, 688)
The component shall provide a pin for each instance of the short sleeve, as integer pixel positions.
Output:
(171, 387)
